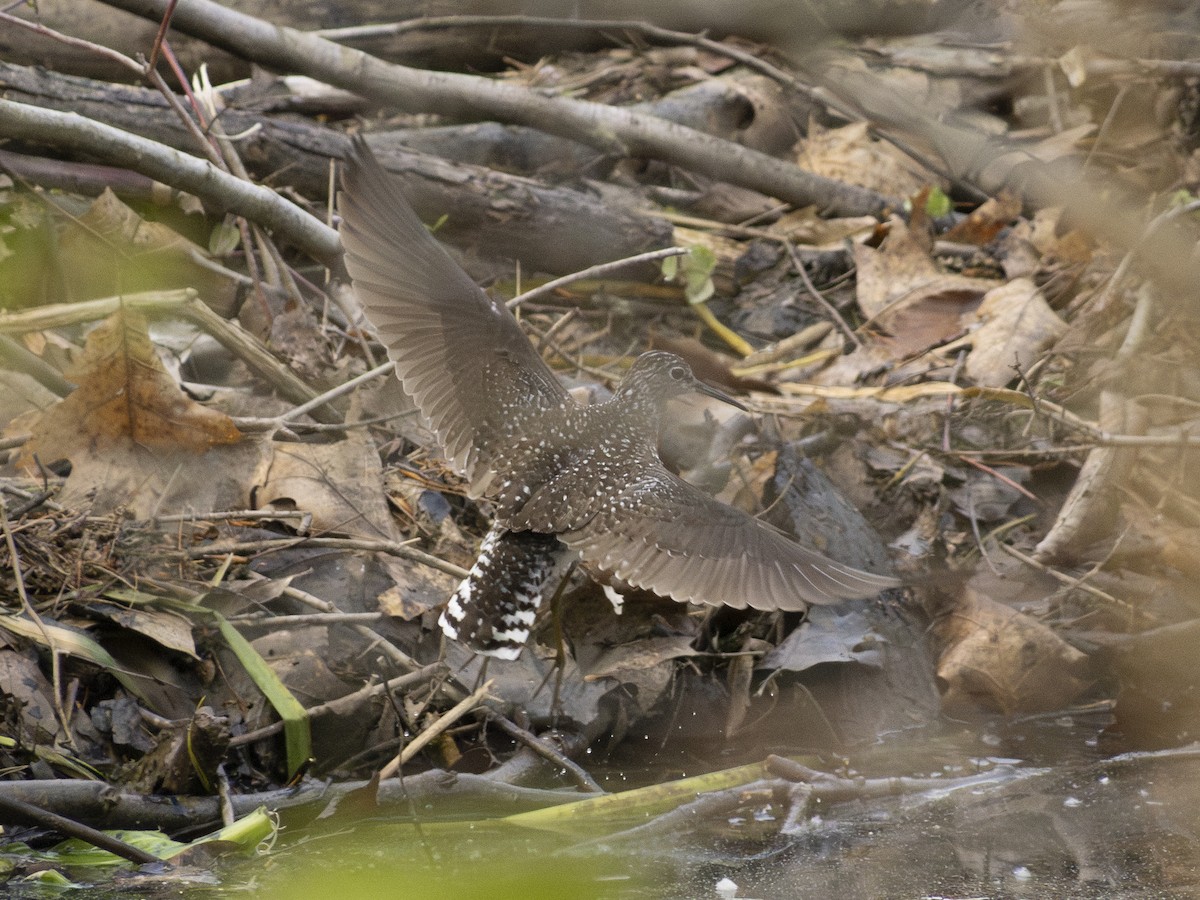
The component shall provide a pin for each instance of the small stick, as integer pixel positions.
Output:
(418, 743)
(834, 315)
(545, 750)
(345, 704)
(20, 810)
(594, 272)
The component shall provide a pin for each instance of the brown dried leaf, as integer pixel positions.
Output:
(113, 250)
(340, 484)
(161, 626)
(806, 226)
(907, 295)
(1016, 326)
(998, 658)
(134, 439)
(982, 226)
(851, 155)
(900, 273)
(125, 396)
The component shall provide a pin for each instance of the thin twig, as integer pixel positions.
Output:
(348, 703)
(269, 423)
(392, 548)
(78, 43)
(1073, 582)
(266, 620)
(225, 515)
(594, 272)
(390, 650)
(834, 316)
(425, 737)
(547, 751)
(51, 643)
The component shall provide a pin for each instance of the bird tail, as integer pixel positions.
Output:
(493, 610)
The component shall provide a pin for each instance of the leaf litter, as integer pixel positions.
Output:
(199, 574)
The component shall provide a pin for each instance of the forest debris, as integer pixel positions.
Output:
(33, 718)
(297, 728)
(850, 154)
(906, 293)
(59, 639)
(182, 171)
(999, 658)
(1016, 326)
(983, 224)
(990, 495)
(125, 396)
(806, 226)
(165, 628)
(184, 758)
(113, 251)
(340, 484)
(827, 636)
(529, 683)
(607, 130)
(430, 733)
(134, 439)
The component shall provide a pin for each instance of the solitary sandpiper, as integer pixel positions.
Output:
(566, 481)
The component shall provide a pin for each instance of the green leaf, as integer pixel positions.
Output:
(670, 267)
(224, 238)
(296, 728)
(74, 643)
(698, 266)
(698, 289)
(613, 812)
(937, 204)
(701, 259)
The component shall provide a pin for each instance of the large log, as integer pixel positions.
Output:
(464, 48)
(551, 229)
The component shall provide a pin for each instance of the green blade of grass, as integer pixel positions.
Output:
(615, 811)
(67, 640)
(296, 730)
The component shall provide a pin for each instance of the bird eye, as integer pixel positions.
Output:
(679, 373)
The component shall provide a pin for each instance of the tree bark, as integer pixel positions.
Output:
(465, 97)
(551, 229)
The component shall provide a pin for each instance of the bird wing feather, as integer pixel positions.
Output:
(459, 354)
(669, 537)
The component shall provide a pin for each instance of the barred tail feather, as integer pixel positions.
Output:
(493, 610)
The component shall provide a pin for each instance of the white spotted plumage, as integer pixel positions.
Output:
(565, 480)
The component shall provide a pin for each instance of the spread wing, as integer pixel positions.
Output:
(673, 539)
(454, 346)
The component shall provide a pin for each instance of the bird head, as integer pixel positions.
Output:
(657, 376)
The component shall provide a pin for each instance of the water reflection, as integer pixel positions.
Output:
(1032, 809)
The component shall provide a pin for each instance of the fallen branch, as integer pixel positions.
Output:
(103, 806)
(448, 718)
(214, 187)
(608, 129)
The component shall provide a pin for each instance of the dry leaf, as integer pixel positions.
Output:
(851, 155)
(134, 439)
(900, 273)
(161, 626)
(806, 226)
(982, 225)
(907, 295)
(125, 395)
(113, 250)
(998, 658)
(340, 484)
(1016, 326)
